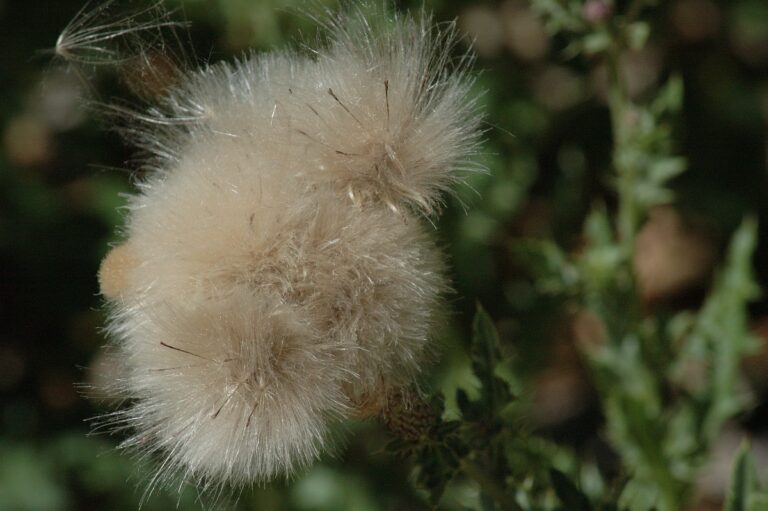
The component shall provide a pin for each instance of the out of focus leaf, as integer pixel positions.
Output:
(743, 482)
(569, 494)
(485, 356)
(553, 272)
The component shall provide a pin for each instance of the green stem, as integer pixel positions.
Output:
(620, 108)
(629, 218)
(490, 486)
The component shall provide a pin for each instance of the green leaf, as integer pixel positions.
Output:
(669, 97)
(640, 494)
(637, 34)
(603, 257)
(759, 501)
(485, 356)
(723, 328)
(436, 468)
(468, 411)
(559, 17)
(597, 42)
(665, 169)
(597, 228)
(743, 482)
(549, 265)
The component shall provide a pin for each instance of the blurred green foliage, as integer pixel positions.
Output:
(608, 357)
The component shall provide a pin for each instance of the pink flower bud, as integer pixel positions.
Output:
(597, 11)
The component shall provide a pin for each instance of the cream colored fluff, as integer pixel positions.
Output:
(277, 271)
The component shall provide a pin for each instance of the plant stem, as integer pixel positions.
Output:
(620, 109)
(630, 213)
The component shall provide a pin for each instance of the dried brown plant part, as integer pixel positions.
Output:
(404, 411)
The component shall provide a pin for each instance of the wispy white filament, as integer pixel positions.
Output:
(276, 271)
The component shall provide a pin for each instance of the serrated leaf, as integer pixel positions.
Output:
(549, 265)
(485, 356)
(434, 472)
(723, 327)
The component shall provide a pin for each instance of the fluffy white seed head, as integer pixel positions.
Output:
(276, 271)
